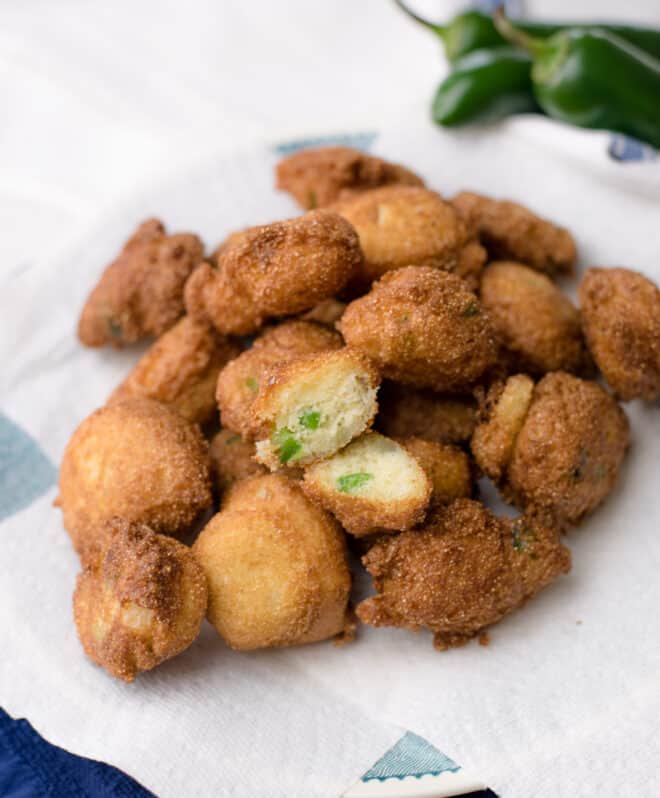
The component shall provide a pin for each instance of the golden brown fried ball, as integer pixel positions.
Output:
(563, 454)
(327, 312)
(405, 411)
(313, 406)
(232, 459)
(538, 324)
(372, 485)
(512, 232)
(136, 459)
(277, 269)
(181, 369)
(141, 604)
(276, 567)
(240, 381)
(621, 318)
(422, 327)
(407, 226)
(318, 177)
(446, 466)
(140, 294)
(461, 573)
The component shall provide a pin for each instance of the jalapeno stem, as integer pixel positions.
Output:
(426, 22)
(508, 31)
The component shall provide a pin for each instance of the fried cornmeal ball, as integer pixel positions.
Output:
(313, 406)
(462, 572)
(318, 177)
(327, 312)
(140, 294)
(136, 459)
(181, 369)
(278, 269)
(232, 459)
(240, 381)
(563, 454)
(446, 466)
(276, 567)
(372, 485)
(538, 324)
(142, 602)
(408, 226)
(621, 318)
(512, 232)
(422, 327)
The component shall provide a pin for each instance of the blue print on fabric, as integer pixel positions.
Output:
(25, 471)
(625, 148)
(361, 141)
(411, 756)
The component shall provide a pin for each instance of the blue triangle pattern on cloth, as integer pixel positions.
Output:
(25, 471)
(411, 756)
(361, 141)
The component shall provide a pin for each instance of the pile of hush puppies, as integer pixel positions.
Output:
(401, 347)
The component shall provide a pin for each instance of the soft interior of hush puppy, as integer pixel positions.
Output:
(374, 483)
(314, 406)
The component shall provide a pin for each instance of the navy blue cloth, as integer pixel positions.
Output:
(30, 767)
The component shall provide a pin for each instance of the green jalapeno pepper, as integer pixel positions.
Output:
(592, 78)
(485, 85)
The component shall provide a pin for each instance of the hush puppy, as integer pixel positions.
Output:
(318, 177)
(621, 318)
(140, 294)
(404, 411)
(446, 466)
(276, 567)
(232, 459)
(327, 312)
(136, 459)
(538, 324)
(313, 406)
(512, 232)
(423, 327)
(181, 369)
(373, 484)
(462, 572)
(407, 226)
(240, 381)
(141, 604)
(278, 269)
(558, 451)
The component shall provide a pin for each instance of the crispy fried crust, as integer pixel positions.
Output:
(407, 226)
(503, 414)
(181, 369)
(327, 312)
(363, 511)
(537, 323)
(446, 466)
(621, 318)
(512, 232)
(405, 411)
(141, 604)
(239, 382)
(315, 178)
(461, 573)
(277, 269)
(140, 293)
(422, 327)
(137, 459)
(276, 567)
(232, 459)
(569, 450)
(350, 367)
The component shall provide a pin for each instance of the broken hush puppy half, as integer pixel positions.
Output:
(373, 485)
(312, 407)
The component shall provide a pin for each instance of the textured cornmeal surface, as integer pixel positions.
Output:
(315, 406)
(374, 483)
